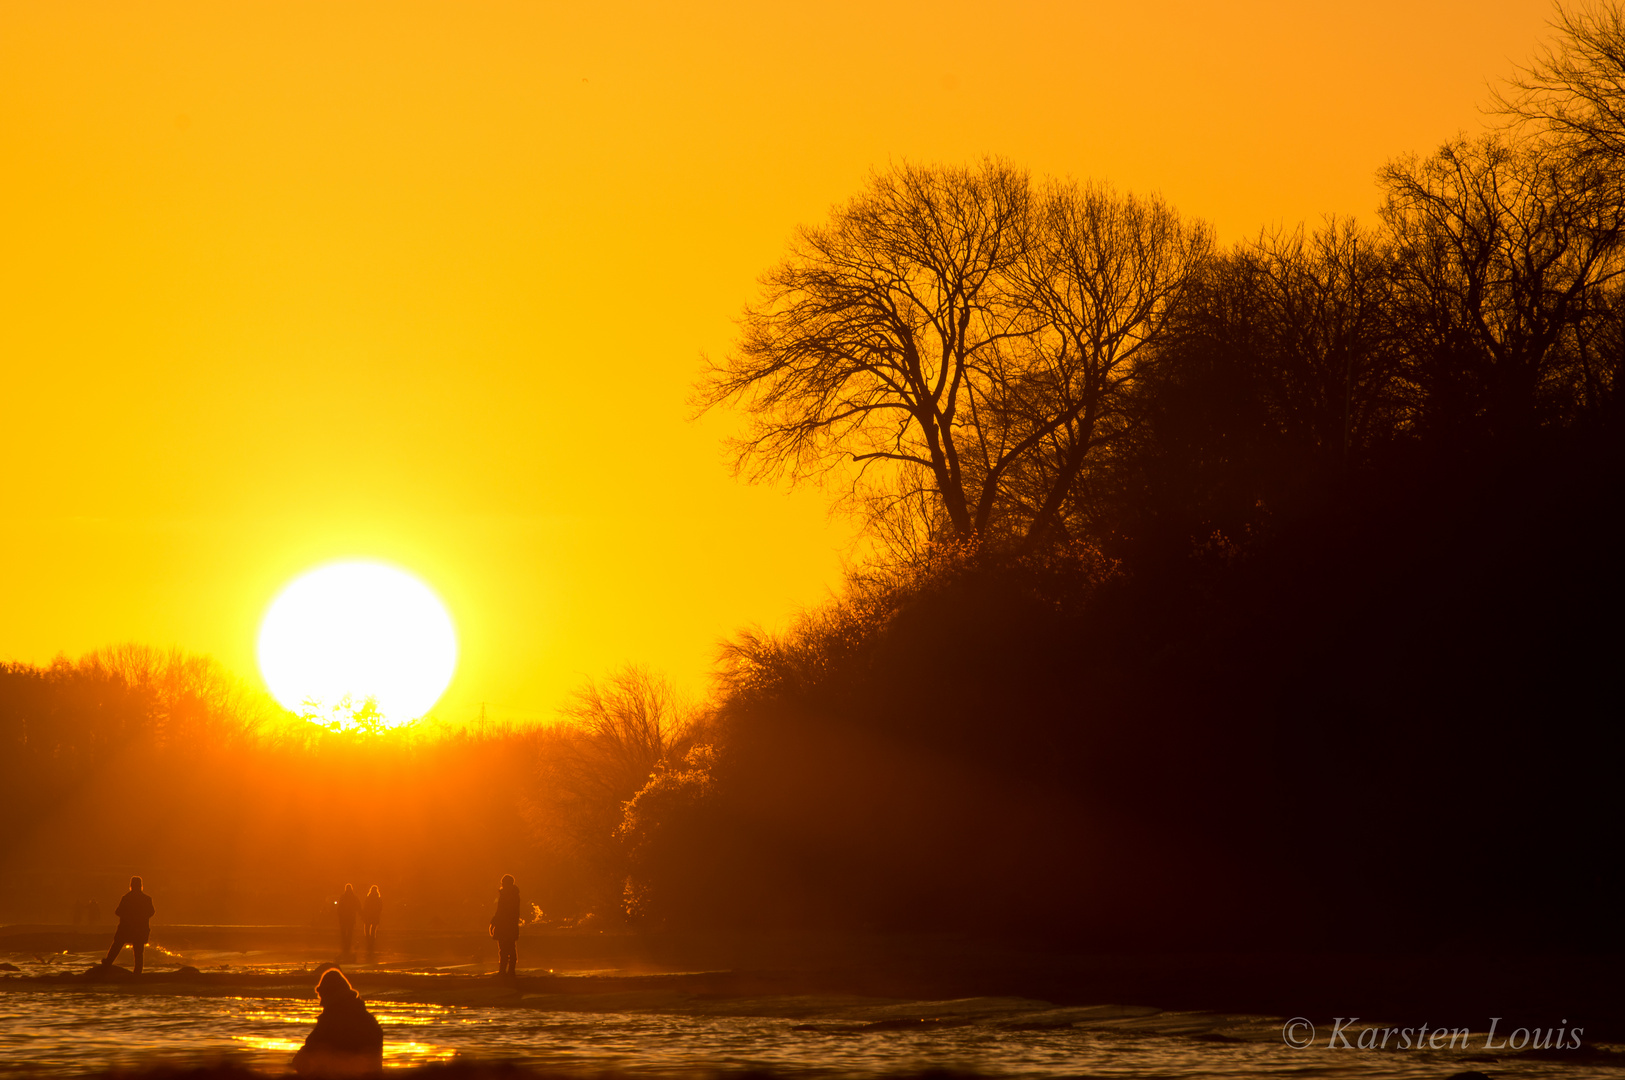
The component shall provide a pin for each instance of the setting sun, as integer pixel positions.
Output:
(351, 632)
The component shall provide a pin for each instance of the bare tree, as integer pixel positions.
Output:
(958, 345)
(1597, 370)
(624, 727)
(1321, 300)
(866, 344)
(193, 698)
(1497, 242)
(618, 732)
(1574, 90)
(1101, 273)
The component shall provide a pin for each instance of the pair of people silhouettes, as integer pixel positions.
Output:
(135, 914)
(371, 910)
(347, 1041)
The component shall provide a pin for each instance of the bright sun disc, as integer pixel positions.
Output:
(354, 631)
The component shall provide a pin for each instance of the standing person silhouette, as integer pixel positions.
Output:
(372, 909)
(505, 926)
(347, 1040)
(134, 913)
(349, 908)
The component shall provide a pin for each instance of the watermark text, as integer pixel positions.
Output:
(1300, 1034)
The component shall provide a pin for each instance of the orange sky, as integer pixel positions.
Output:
(288, 282)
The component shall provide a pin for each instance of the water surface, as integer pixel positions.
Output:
(66, 1028)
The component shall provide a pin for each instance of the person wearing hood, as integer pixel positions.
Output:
(347, 1041)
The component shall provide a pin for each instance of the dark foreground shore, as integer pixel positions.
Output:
(506, 1071)
(599, 1005)
(616, 972)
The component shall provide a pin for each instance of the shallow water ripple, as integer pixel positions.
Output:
(68, 1032)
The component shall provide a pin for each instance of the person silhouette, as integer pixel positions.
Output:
(505, 926)
(349, 908)
(346, 1041)
(372, 909)
(135, 914)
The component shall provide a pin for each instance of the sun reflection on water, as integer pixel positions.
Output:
(61, 1034)
(260, 1042)
(403, 1054)
(299, 1014)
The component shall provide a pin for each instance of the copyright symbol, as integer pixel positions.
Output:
(1298, 1033)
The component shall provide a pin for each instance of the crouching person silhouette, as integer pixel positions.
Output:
(346, 1041)
(134, 913)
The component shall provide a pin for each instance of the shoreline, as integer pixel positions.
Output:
(1194, 1014)
(604, 972)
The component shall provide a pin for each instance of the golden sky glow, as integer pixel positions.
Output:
(288, 283)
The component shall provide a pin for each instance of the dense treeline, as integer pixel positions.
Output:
(978, 359)
(1259, 596)
(135, 760)
(1389, 721)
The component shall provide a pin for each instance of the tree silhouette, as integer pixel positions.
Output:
(873, 340)
(1497, 243)
(619, 732)
(1101, 273)
(1574, 92)
(959, 341)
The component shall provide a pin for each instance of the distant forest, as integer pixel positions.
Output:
(1261, 596)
